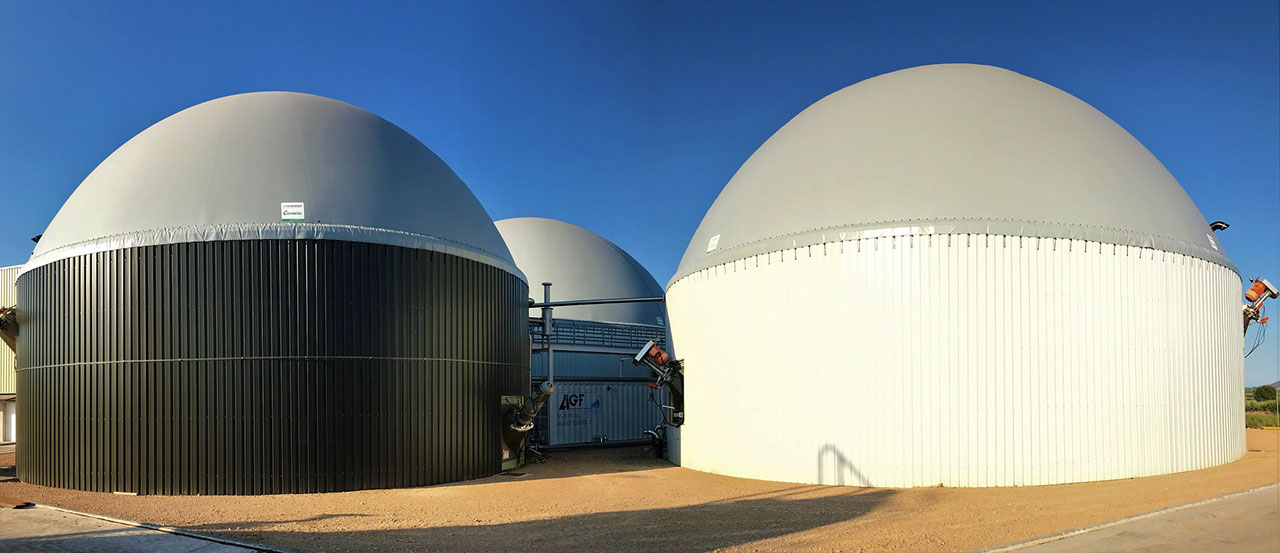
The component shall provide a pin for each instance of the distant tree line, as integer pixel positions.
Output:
(1264, 393)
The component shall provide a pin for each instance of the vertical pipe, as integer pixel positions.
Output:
(547, 324)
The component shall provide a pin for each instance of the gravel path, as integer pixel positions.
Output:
(620, 500)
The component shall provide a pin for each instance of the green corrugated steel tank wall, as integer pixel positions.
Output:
(266, 366)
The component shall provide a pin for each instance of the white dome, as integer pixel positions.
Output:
(581, 265)
(949, 149)
(1059, 240)
(221, 170)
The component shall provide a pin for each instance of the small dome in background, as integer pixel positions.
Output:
(580, 265)
(221, 170)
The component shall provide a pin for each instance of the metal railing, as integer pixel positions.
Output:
(592, 333)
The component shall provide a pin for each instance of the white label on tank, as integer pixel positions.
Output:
(292, 211)
(1212, 242)
(715, 241)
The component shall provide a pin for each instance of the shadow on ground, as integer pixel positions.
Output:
(255, 524)
(570, 463)
(701, 527)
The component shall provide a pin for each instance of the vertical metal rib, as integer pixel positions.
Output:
(245, 367)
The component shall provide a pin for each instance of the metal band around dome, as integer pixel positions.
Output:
(1004, 227)
(273, 231)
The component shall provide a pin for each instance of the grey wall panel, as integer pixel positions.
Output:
(627, 336)
(590, 365)
(592, 350)
(592, 413)
(275, 366)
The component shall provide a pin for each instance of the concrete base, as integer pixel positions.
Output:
(1243, 523)
(46, 530)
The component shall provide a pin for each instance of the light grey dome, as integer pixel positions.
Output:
(221, 170)
(581, 265)
(946, 149)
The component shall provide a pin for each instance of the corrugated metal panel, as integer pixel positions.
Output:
(968, 360)
(594, 350)
(586, 413)
(276, 366)
(8, 298)
(588, 365)
(627, 336)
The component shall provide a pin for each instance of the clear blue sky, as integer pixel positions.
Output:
(580, 111)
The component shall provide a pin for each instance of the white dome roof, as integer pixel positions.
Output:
(581, 265)
(221, 170)
(944, 149)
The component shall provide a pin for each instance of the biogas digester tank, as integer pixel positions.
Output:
(268, 293)
(956, 275)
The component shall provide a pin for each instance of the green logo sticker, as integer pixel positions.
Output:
(292, 211)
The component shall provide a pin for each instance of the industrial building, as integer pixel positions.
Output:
(601, 396)
(268, 293)
(956, 275)
(8, 377)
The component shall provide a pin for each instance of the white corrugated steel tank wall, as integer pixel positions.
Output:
(960, 360)
(8, 361)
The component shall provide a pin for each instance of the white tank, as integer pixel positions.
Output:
(956, 275)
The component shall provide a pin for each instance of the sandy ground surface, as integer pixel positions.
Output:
(622, 500)
(6, 460)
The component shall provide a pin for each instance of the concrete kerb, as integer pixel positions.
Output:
(176, 531)
(1117, 522)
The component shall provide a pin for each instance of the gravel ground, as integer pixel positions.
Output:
(6, 462)
(621, 500)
